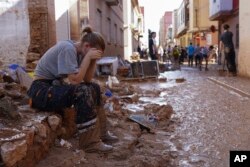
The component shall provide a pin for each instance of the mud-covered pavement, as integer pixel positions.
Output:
(208, 121)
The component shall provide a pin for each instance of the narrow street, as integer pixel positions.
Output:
(124, 83)
(208, 121)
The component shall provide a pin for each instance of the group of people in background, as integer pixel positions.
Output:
(177, 55)
(196, 53)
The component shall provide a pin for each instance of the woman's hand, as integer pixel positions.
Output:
(94, 54)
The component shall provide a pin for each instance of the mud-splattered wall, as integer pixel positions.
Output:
(14, 32)
(27, 30)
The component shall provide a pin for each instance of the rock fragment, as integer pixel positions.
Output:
(13, 152)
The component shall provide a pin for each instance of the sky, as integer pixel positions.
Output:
(155, 9)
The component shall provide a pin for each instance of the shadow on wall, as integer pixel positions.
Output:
(14, 32)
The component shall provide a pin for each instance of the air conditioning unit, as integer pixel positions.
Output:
(112, 2)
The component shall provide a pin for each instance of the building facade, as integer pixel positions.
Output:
(175, 25)
(104, 16)
(133, 27)
(183, 24)
(33, 26)
(226, 12)
(244, 49)
(27, 30)
(200, 27)
(164, 33)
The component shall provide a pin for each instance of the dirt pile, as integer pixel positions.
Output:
(27, 136)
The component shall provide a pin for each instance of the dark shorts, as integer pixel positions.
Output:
(153, 56)
(205, 56)
(83, 97)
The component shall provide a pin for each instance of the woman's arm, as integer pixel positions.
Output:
(90, 71)
(77, 78)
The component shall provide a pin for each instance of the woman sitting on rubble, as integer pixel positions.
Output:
(76, 63)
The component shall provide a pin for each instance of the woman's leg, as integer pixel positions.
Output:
(206, 59)
(200, 62)
(91, 123)
(87, 98)
(47, 97)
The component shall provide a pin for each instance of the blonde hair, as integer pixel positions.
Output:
(95, 39)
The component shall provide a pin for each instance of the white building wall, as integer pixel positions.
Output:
(244, 50)
(14, 32)
(128, 47)
(62, 20)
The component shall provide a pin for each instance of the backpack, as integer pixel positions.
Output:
(175, 53)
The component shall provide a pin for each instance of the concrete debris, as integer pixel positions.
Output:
(13, 152)
(7, 78)
(112, 82)
(66, 144)
(8, 109)
(54, 122)
(40, 130)
(130, 98)
(180, 80)
(162, 79)
(9, 135)
(36, 132)
(14, 94)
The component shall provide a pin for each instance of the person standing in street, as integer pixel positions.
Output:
(204, 52)
(190, 50)
(183, 55)
(197, 55)
(176, 55)
(152, 46)
(227, 45)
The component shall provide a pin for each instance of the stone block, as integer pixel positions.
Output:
(69, 117)
(54, 122)
(12, 152)
(40, 130)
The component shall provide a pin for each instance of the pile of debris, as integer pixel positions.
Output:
(27, 135)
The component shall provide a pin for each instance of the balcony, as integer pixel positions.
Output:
(112, 2)
(220, 9)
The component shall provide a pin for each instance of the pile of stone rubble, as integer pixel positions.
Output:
(26, 135)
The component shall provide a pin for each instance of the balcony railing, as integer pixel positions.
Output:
(220, 9)
(112, 2)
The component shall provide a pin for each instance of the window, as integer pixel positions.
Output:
(99, 21)
(109, 31)
(237, 36)
(121, 37)
(132, 15)
(120, 4)
(115, 37)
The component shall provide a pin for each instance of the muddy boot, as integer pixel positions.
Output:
(109, 137)
(99, 147)
(106, 136)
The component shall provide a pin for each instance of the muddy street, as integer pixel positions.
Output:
(213, 120)
(208, 121)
